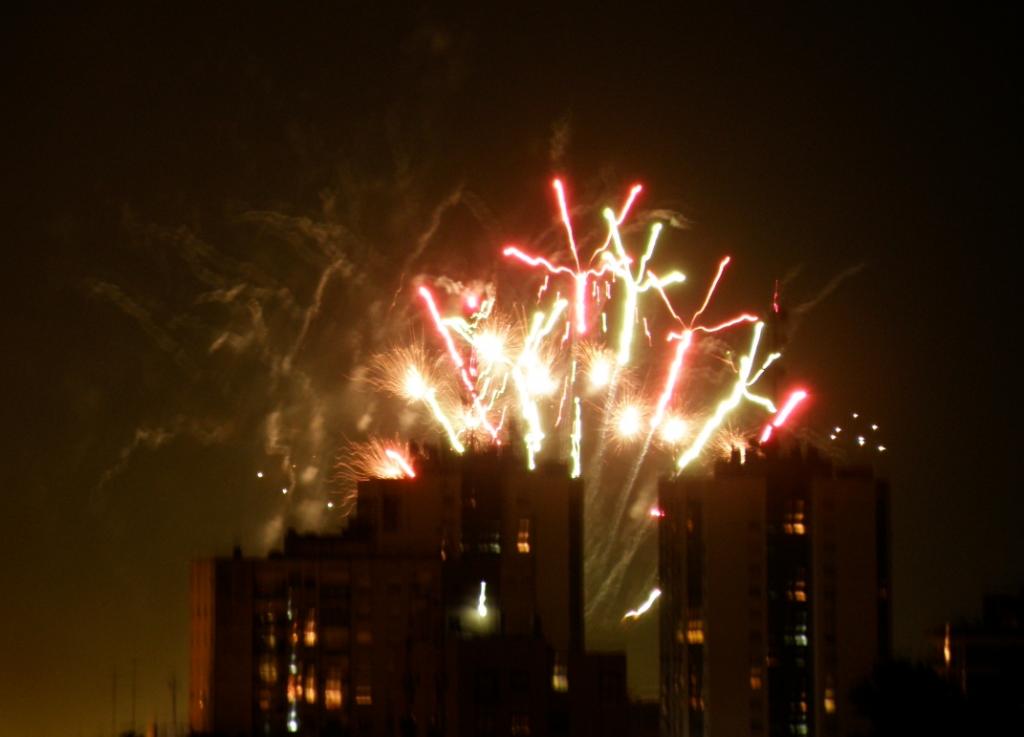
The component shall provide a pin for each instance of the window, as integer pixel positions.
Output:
(756, 678)
(333, 692)
(310, 689)
(268, 669)
(798, 591)
(309, 635)
(830, 700)
(794, 524)
(364, 695)
(523, 538)
(560, 674)
(695, 631)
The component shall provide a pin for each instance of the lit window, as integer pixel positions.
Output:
(794, 522)
(268, 669)
(333, 692)
(310, 689)
(695, 631)
(523, 538)
(310, 632)
(294, 688)
(756, 681)
(560, 675)
(798, 592)
(364, 695)
(830, 700)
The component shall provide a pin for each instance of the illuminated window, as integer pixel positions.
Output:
(364, 695)
(264, 699)
(560, 675)
(523, 538)
(800, 637)
(310, 632)
(334, 694)
(798, 592)
(268, 669)
(695, 631)
(310, 689)
(756, 680)
(794, 522)
(830, 700)
(294, 688)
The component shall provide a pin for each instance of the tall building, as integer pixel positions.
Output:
(452, 605)
(775, 595)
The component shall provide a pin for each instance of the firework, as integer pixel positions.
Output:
(541, 372)
(377, 458)
(794, 399)
(643, 608)
(535, 371)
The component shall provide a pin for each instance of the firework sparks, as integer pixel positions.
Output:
(636, 283)
(481, 602)
(794, 399)
(643, 608)
(629, 422)
(377, 458)
(442, 329)
(727, 405)
(494, 370)
(492, 356)
(673, 430)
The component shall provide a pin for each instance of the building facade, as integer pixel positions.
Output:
(451, 605)
(984, 660)
(775, 595)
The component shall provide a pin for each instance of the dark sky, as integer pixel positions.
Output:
(178, 184)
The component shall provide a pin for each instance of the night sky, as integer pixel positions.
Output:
(213, 218)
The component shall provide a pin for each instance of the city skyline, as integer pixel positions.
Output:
(161, 161)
